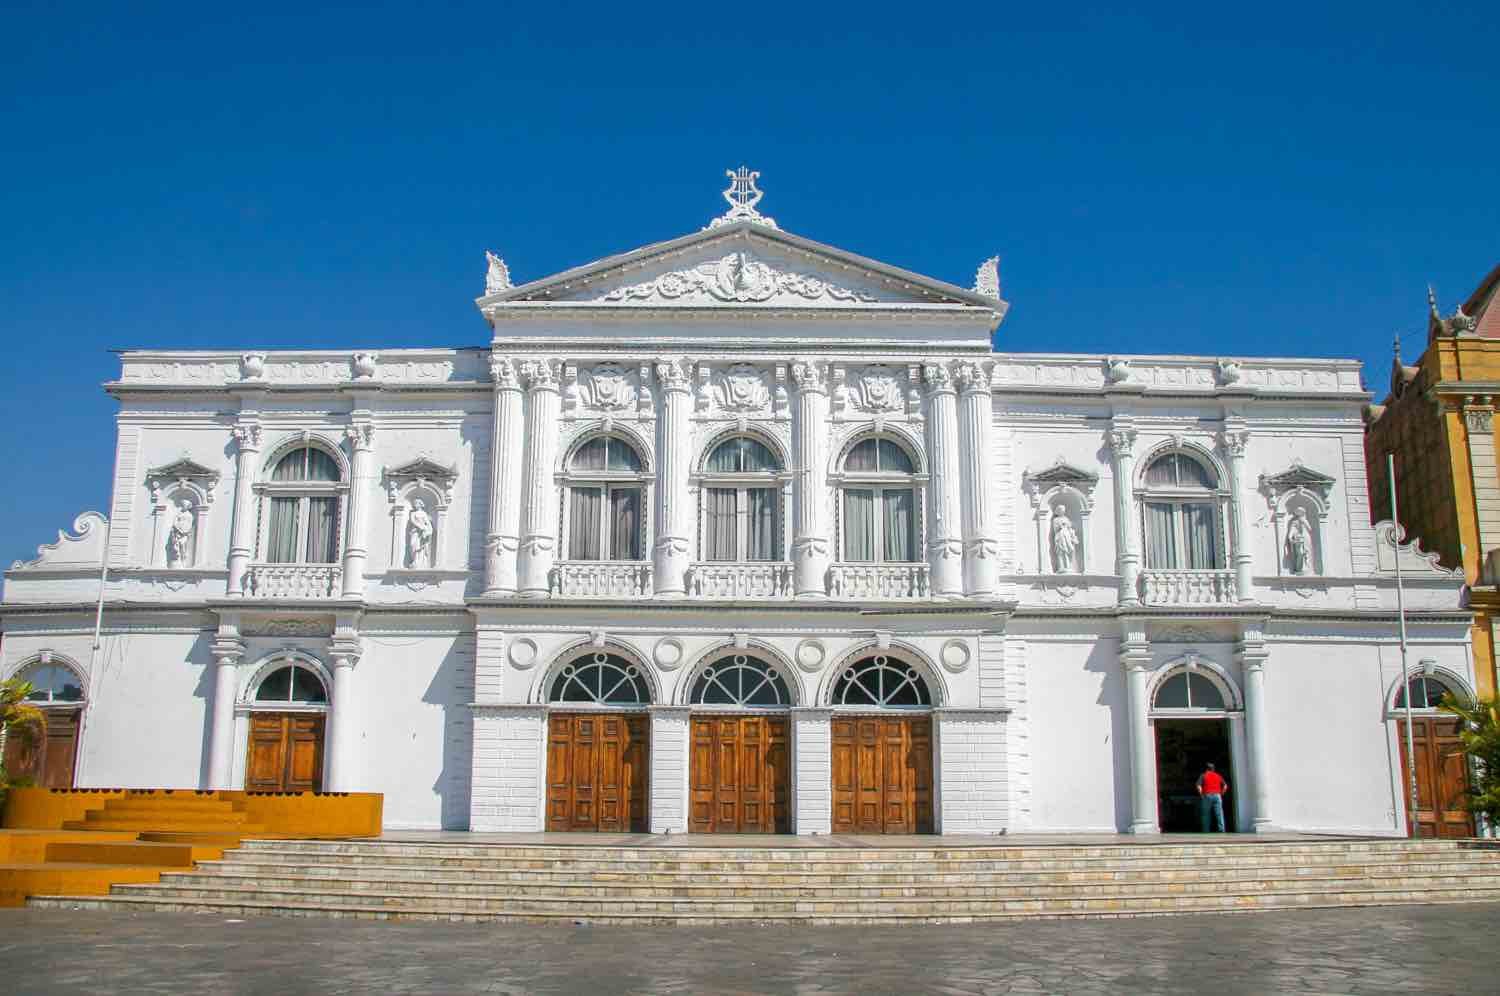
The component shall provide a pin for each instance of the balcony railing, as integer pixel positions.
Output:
(294, 580)
(878, 581)
(768, 579)
(602, 578)
(1187, 587)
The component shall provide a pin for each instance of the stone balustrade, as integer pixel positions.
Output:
(883, 582)
(602, 578)
(1186, 587)
(294, 581)
(767, 579)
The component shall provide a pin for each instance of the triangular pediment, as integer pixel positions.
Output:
(740, 265)
(423, 468)
(183, 469)
(1063, 473)
(1298, 476)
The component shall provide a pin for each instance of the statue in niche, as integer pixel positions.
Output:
(1299, 543)
(419, 536)
(180, 539)
(1064, 542)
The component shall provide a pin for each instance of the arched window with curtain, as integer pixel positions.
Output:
(1181, 514)
(878, 503)
(606, 506)
(303, 493)
(741, 502)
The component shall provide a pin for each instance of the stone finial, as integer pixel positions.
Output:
(987, 279)
(497, 276)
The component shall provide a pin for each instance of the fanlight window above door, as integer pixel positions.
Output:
(1426, 692)
(292, 685)
(52, 683)
(741, 680)
(1186, 690)
(881, 681)
(601, 679)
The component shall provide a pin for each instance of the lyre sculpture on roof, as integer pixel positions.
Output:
(742, 196)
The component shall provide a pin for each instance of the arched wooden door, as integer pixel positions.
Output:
(739, 778)
(882, 758)
(598, 756)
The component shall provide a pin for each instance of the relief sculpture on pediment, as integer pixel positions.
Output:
(737, 278)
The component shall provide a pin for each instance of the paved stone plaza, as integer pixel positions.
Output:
(1437, 949)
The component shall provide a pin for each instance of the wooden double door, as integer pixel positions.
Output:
(50, 761)
(597, 771)
(286, 752)
(739, 780)
(1442, 777)
(882, 774)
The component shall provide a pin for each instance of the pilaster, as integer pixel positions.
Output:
(810, 543)
(672, 555)
(944, 545)
(812, 771)
(1251, 653)
(247, 437)
(1135, 658)
(361, 437)
(1235, 441)
(976, 416)
(669, 769)
(1121, 439)
(539, 510)
(504, 536)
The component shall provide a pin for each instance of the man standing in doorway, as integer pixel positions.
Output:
(1211, 789)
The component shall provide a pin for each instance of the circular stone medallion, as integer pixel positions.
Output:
(811, 654)
(668, 653)
(955, 656)
(522, 653)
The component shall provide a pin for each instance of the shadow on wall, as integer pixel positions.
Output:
(474, 433)
(452, 689)
(204, 690)
(1104, 660)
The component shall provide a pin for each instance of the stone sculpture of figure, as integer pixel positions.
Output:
(1299, 542)
(419, 536)
(180, 539)
(1064, 542)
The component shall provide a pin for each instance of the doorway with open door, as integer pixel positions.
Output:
(1190, 717)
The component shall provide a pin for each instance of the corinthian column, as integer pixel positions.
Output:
(1235, 442)
(242, 535)
(362, 437)
(810, 480)
(1121, 439)
(981, 549)
(944, 548)
(538, 511)
(504, 536)
(673, 530)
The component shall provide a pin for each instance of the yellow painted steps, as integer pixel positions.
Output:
(132, 852)
(78, 879)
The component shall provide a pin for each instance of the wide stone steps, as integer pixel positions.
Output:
(686, 883)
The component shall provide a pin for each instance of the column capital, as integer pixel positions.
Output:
(1479, 413)
(503, 374)
(247, 436)
(541, 375)
(1234, 442)
(938, 378)
(227, 652)
(1121, 440)
(344, 659)
(811, 377)
(673, 375)
(362, 436)
(973, 378)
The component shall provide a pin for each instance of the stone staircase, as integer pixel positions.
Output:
(688, 884)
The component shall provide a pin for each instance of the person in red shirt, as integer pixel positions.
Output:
(1211, 789)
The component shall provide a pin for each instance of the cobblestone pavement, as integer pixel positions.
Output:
(1436, 949)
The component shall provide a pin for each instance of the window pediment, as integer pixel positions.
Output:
(422, 470)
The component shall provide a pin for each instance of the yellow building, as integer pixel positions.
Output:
(1439, 421)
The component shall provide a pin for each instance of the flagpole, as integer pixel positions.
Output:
(1396, 537)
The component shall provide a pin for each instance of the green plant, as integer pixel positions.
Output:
(19, 720)
(1479, 732)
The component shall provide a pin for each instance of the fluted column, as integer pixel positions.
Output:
(227, 655)
(1252, 654)
(810, 544)
(673, 525)
(944, 547)
(1235, 442)
(1135, 658)
(242, 534)
(1121, 439)
(539, 509)
(504, 536)
(343, 726)
(362, 472)
(981, 549)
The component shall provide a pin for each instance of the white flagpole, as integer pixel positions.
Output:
(1396, 536)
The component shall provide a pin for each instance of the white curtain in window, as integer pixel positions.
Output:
(859, 525)
(1198, 528)
(764, 541)
(899, 538)
(721, 524)
(281, 538)
(322, 530)
(624, 523)
(584, 514)
(1161, 536)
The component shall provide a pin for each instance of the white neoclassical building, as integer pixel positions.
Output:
(741, 532)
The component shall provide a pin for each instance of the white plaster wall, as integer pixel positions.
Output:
(509, 757)
(972, 792)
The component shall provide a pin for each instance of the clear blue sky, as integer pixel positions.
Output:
(1268, 179)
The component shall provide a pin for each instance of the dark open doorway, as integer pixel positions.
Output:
(1183, 747)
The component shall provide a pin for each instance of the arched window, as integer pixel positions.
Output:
(1180, 509)
(881, 680)
(879, 503)
(295, 684)
(606, 518)
(740, 680)
(1186, 690)
(601, 679)
(52, 683)
(303, 523)
(741, 502)
(1426, 692)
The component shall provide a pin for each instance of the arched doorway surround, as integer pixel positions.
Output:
(1197, 718)
(1442, 768)
(286, 699)
(59, 691)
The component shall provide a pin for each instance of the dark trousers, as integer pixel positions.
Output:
(1211, 809)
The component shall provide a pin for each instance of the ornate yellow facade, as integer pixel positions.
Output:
(1439, 421)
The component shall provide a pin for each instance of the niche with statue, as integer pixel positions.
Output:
(420, 494)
